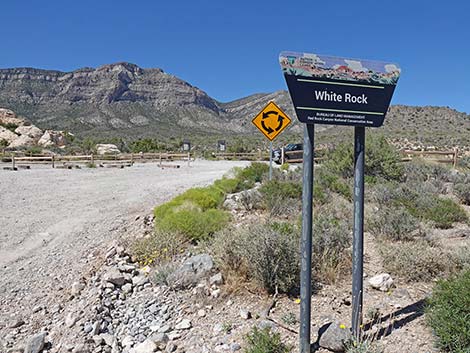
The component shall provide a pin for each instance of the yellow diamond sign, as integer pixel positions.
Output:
(271, 121)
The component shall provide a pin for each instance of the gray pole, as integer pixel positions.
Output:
(358, 236)
(270, 160)
(306, 241)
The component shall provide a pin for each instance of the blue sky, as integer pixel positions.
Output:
(230, 48)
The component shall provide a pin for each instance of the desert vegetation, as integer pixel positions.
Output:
(407, 208)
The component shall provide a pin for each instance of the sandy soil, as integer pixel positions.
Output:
(53, 220)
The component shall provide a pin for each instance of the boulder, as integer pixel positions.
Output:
(244, 200)
(30, 131)
(35, 343)
(382, 282)
(334, 337)
(52, 138)
(116, 277)
(7, 135)
(192, 271)
(8, 116)
(107, 148)
(23, 141)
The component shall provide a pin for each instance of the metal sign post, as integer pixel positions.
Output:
(336, 91)
(270, 160)
(358, 235)
(306, 240)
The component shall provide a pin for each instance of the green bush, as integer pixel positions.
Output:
(227, 185)
(394, 224)
(327, 180)
(250, 175)
(448, 313)
(382, 160)
(279, 196)
(194, 223)
(265, 341)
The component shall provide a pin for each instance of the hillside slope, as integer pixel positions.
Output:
(125, 100)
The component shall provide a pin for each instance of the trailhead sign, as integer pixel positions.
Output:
(339, 91)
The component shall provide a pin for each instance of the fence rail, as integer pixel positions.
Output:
(119, 160)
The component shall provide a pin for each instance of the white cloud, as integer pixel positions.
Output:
(336, 66)
(391, 68)
(355, 65)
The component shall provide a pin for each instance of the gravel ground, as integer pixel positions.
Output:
(53, 220)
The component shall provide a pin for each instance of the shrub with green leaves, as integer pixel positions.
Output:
(327, 180)
(250, 175)
(227, 185)
(194, 223)
(448, 313)
(265, 341)
(382, 160)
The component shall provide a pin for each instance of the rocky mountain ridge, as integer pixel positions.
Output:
(123, 99)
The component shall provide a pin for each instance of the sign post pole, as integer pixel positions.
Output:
(306, 240)
(358, 236)
(270, 160)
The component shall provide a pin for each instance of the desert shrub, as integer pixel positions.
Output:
(250, 175)
(194, 223)
(3, 143)
(421, 203)
(462, 190)
(394, 224)
(265, 341)
(382, 160)
(422, 171)
(332, 238)
(284, 167)
(157, 248)
(269, 254)
(278, 197)
(162, 273)
(416, 261)
(327, 180)
(227, 185)
(448, 313)
(33, 150)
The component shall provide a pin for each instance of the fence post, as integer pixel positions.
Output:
(189, 158)
(132, 158)
(92, 159)
(53, 160)
(160, 159)
(283, 156)
(13, 162)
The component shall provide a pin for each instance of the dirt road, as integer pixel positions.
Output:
(53, 220)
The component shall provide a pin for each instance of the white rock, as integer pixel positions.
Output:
(108, 148)
(201, 313)
(185, 324)
(70, 320)
(77, 287)
(148, 346)
(382, 282)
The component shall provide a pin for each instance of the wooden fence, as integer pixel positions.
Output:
(106, 161)
(449, 157)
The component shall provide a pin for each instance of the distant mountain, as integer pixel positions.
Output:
(123, 99)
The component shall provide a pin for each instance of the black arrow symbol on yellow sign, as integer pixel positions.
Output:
(280, 120)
